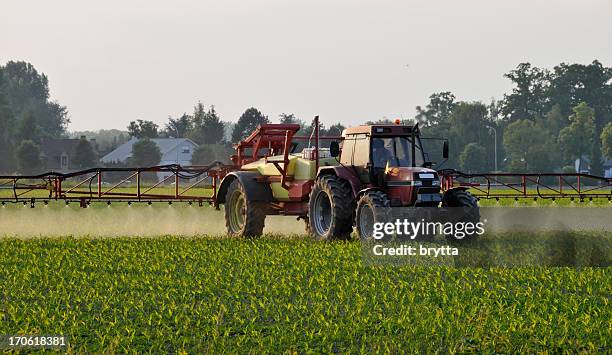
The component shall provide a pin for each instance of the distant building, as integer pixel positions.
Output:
(173, 150)
(608, 168)
(585, 166)
(58, 153)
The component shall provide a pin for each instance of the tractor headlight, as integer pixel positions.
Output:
(417, 183)
(435, 183)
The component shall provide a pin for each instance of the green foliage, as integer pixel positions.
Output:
(606, 141)
(554, 122)
(28, 91)
(213, 127)
(202, 155)
(572, 84)
(334, 130)
(247, 123)
(577, 139)
(462, 123)
(7, 124)
(208, 153)
(83, 156)
(544, 97)
(29, 158)
(527, 147)
(106, 139)
(143, 129)
(469, 123)
(208, 127)
(179, 127)
(438, 110)
(28, 128)
(145, 153)
(528, 99)
(287, 118)
(473, 158)
(282, 295)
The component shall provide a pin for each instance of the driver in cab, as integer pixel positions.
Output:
(380, 154)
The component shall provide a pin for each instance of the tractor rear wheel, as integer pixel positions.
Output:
(243, 218)
(463, 208)
(330, 209)
(372, 207)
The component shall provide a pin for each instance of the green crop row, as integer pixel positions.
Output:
(289, 294)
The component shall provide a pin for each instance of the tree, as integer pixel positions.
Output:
(29, 158)
(606, 141)
(527, 148)
(28, 128)
(145, 153)
(106, 140)
(577, 138)
(288, 118)
(468, 123)
(247, 123)
(83, 156)
(529, 96)
(473, 158)
(27, 90)
(212, 127)
(179, 127)
(438, 110)
(6, 135)
(198, 114)
(334, 130)
(572, 84)
(143, 129)
(203, 155)
(207, 126)
(555, 121)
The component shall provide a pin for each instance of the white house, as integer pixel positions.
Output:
(173, 151)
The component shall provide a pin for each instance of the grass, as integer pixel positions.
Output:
(289, 294)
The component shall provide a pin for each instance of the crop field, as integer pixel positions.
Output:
(152, 289)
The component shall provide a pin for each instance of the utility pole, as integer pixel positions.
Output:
(495, 144)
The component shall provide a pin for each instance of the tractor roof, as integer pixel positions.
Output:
(382, 130)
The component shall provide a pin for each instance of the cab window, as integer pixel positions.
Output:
(361, 153)
(346, 157)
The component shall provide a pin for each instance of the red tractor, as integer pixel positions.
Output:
(364, 172)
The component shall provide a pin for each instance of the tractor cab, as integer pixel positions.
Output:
(391, 158)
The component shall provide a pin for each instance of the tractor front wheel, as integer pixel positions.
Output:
(463, 207)
(330, 209)
(243, 218)
(373, 207)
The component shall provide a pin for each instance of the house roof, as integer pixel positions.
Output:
(124, 151)
(55, 147)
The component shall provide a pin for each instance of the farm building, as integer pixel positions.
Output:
(173, 150)
(59, 153)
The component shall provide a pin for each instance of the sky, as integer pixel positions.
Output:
(111, 62)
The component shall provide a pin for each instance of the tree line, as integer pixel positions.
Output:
(550, 118)
(205, 127)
